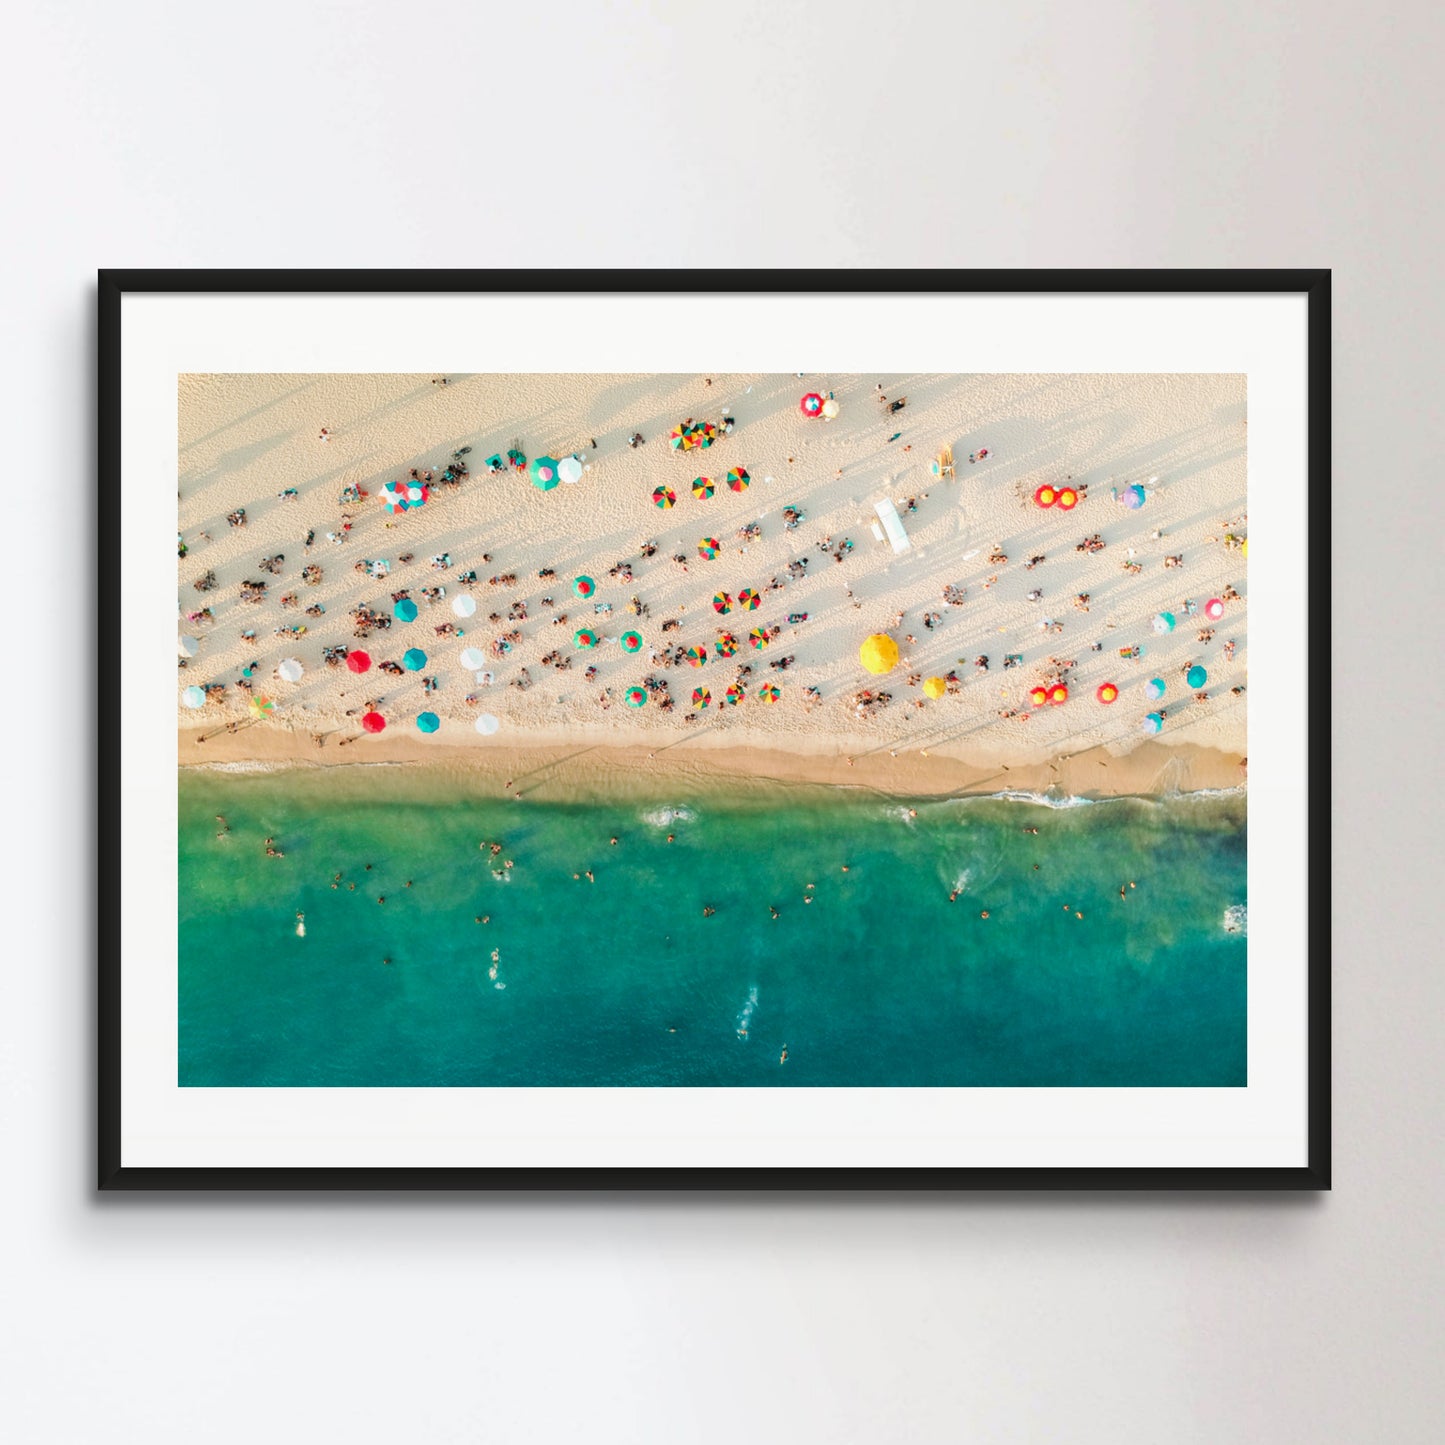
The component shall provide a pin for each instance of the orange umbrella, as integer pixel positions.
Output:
(1068, 498)
(1107, 692)
(1038, 696)
(1058, 693)
(1045, 496)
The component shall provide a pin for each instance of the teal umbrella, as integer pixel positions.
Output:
(1154, 688)
(1164, 622)
(544, 473)
(414, 659)
(428, 722)
(1153, 723)
(194, 697)
(1196, 676)
(405, 610)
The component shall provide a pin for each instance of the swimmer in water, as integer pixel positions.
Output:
(772, 908)
(1036, 867)
(669, 837)
(386, 960)
(708, 910)
(845, 867)
(407, 884)
(984, 914)
(381, 897)
(953, 897)
(1031, 830)
(913, 812)
(1123, 893)
(783, 1057)
(368, 867)
(614, 842)
(590, 878)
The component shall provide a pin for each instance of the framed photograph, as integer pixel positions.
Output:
(572, 747)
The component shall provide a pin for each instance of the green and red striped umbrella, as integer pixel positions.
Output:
(738, 479)
(631, 641)
(700, 698)
(708, 548)
(664, 497)
(583, 586)
(769, 692)
(748, 599)
(635, 697)
(696, 656)
(759, 638)
(722, 603)
(735, 694)
(726, 645)
(681, 436)
(585, 639)
(702, 488)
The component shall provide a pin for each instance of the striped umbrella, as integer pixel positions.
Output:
(735, 694)
(696, 656)
(811, 405)
(635, 697)
(463, 605)
(358, 661)
(400, 497)
(703, 487)
(664, 497)
(748, 600)
(373, 722)
(722, 603)
(1131, 497)
(738, 479)
(473, 659)
(583, 586)
(1155, 688)
(544, 473)
(1153, 723)
(194, 696)
(405, 610)
(726, 644)
(1163, 622)
(701, 697)
(708, 548)
(413, 659)
(769, 692)
(631, 641)
(758, 638)
(428, 722)
(681, 436)
(262, 706)
(584, 639)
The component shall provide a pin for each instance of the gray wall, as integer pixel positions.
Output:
(1043, 134)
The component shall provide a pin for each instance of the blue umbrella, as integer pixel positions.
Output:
(1131, 496)
(414, 659)
(405, 610)
(1155, 688)
(1164, 622)
(1196, 676)
(1153, 723)
(428, 722)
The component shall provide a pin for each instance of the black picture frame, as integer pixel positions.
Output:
(1313, 285)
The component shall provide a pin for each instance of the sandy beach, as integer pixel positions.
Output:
(288, 449)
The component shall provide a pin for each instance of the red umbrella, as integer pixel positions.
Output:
(1058, 693)
(1106, 692)
(812, 404)
(373, 722)
(1068, 499)
(358, 661)
(1045, 496)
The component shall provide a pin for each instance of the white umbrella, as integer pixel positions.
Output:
(463, 605)
(830, 408)
(291, 670)
(194, 697)
(188, 646)
(487, 724)
(472, 658)
(570, 469)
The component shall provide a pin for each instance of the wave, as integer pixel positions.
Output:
(745, 1014)
(663, 817)
(249, 765)
(1236, 919)
(1045, 800)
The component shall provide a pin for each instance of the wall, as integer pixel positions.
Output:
(1040, 134)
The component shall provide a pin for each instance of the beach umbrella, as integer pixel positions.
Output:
(726, 644)
(463, 605)
(1214, 609)
(664, 497)
(696, 656)
(635, 697)
(748, 600)
(413, 659)
(1154, 689)
(261, 706)
(830, 410)
(735, 694)
(701, 697)
(544, 473)
(935, 686)
(1038, 696)
(583, 586)
(758, 638)
(1196, 676)
(811, 405)
(518, 461)
(1068, 499)
(1164, 622)
(428, 722)
(1045, 496)
(705, 433)
(373, 722)
(1131, 497)
(570, 469)
(878, 653)
(1153, 723)
(358, 661)
(1106, 692)
(1244, 548)
(194, 696)
(722, 603)
(708, 548)
(738, 479)
(703, 488)
(631, 641)
(405, 610)
(290, 670)
(486, 724)
(398, 497)
(681, 436)
(187, 646)
(768, 692)
(584, 639)
(473, 659)
(1058, 693)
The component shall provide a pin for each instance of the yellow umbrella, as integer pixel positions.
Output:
(879, 653)
(935, 687)
(1244, 547)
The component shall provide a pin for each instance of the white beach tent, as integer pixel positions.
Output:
(892, 525)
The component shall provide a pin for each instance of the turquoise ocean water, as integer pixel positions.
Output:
(881, 980)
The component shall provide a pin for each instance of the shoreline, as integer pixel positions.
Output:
(553, 768)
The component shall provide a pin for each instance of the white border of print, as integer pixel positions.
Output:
(1260, 1125)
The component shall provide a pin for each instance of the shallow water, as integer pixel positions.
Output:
(881, 980)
